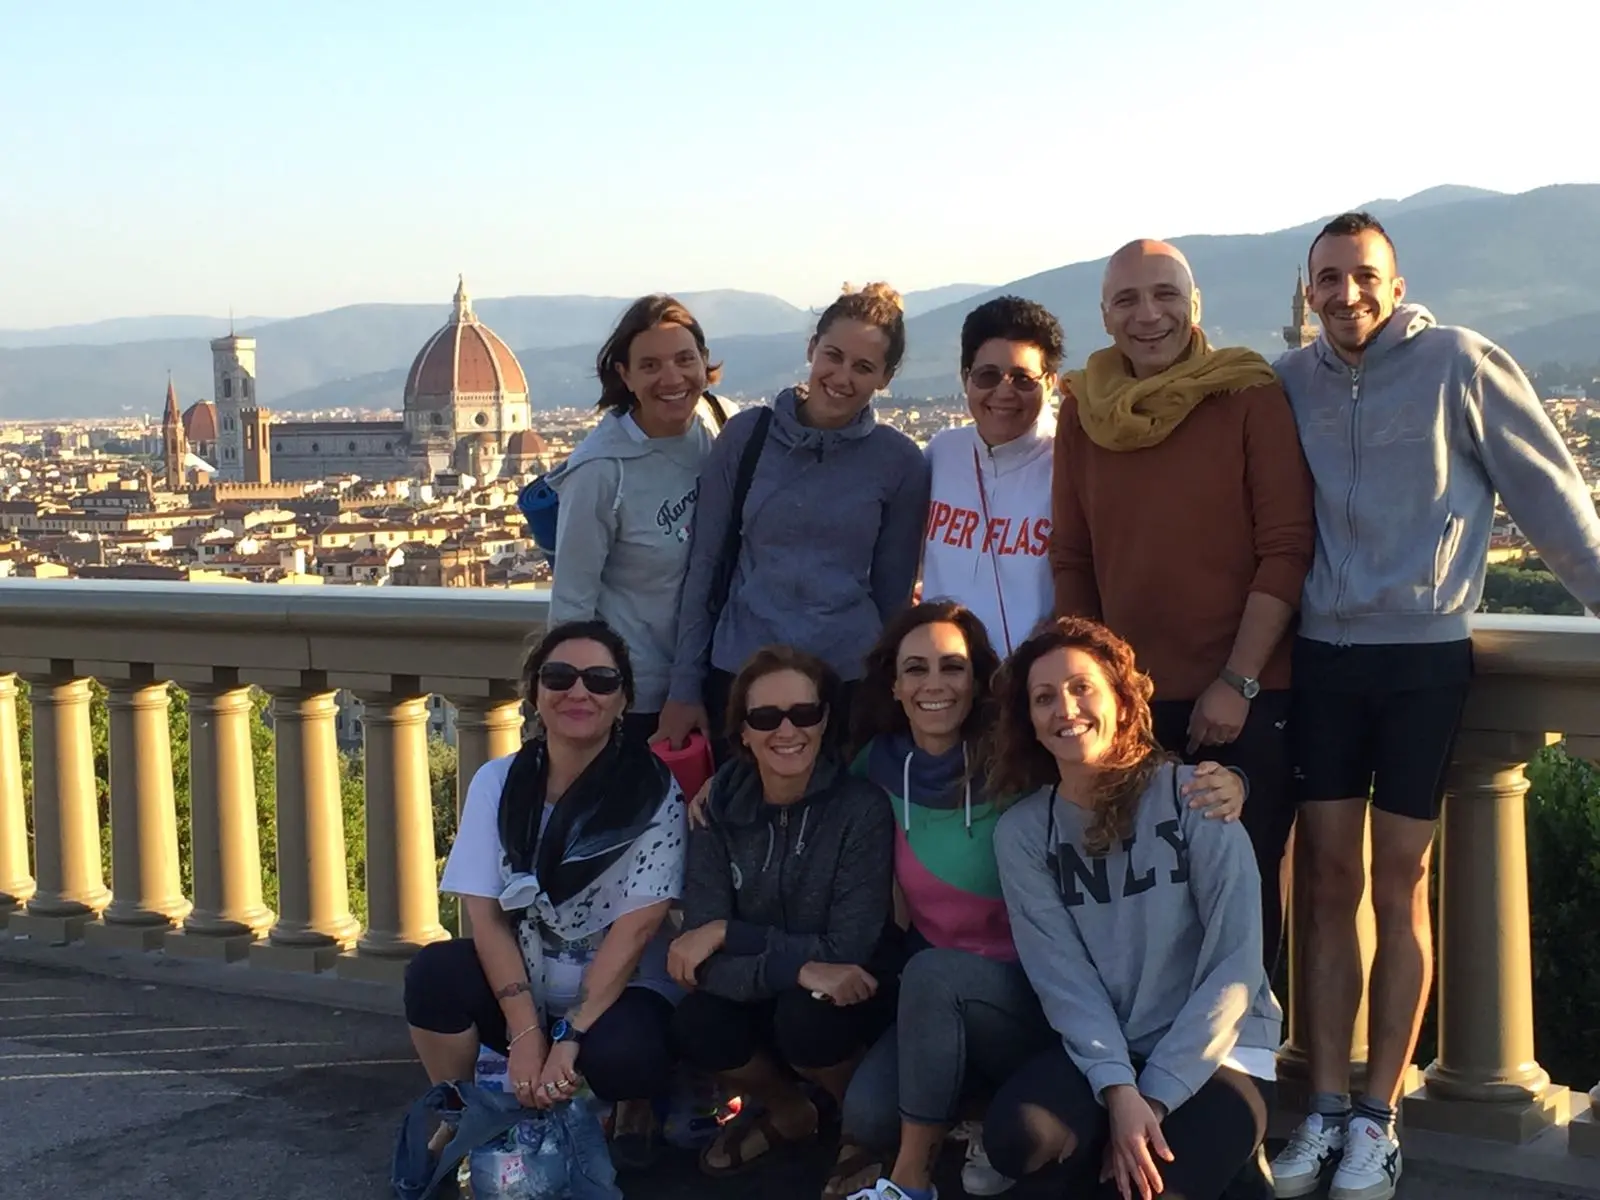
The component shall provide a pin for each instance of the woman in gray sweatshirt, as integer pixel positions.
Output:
(1138, 922)
(628, 492)
(826, 543)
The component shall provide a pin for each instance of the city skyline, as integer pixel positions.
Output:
(190, 160)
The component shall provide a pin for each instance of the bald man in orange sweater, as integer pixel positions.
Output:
(1183, 520)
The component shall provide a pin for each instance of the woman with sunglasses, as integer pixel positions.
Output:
(988, 532)
(569, 853)
(1139, 925)
(789, 951)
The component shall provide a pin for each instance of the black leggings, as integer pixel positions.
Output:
(625, 1055)
(1046, 1114)
(723, 1035)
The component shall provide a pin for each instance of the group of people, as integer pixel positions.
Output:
(1012, 734)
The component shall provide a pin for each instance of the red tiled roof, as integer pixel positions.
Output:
(464, 356)
(200, 422)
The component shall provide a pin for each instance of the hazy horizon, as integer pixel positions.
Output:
(300, 158)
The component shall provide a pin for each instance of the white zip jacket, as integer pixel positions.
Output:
(988, 537)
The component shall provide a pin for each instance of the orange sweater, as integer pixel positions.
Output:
(1164, 544)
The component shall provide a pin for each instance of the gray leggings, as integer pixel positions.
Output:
(960, 1015)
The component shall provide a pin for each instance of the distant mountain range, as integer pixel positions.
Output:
(1523, 269)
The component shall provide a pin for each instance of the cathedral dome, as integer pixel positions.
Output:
(200, 422)
(465, 357)
(525, 443)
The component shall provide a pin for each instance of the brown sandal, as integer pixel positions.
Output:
(851, 1170)
(734, 1139)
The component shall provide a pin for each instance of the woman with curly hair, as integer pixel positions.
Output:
(968, 1017)
(1138, 923)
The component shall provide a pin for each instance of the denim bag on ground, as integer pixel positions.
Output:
(575, 1148)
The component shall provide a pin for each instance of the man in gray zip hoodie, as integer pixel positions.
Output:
(1410, 428)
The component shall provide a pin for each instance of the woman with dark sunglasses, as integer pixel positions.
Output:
(789, 951)
(569, 854)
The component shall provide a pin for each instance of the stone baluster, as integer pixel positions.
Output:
(314, 924)
(147, 899)
(71, 889)
(1486, 1081)
(487, 727)
(229, 916)
(1293, 1059)
(16, 884)
(402, 880)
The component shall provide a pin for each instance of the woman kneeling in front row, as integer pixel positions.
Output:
(569, 854)
(1138, 922)
(790, 947)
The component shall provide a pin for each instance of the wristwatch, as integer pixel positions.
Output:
(1243, 684)
(565, 1031)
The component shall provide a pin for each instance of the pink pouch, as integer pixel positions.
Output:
(691, 766)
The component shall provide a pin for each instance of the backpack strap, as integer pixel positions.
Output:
(717, 411)
(728, 557)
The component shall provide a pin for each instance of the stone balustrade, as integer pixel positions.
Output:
(1539, 678)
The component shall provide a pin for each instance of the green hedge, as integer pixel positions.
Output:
(1564, 898)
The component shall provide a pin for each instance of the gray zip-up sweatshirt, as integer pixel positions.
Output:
(1407, 451)
(833, 529)
(1151, 952)
(622, 540)
(806, 882)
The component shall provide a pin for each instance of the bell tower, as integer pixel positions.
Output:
(233, 370)
(174, 446)
(1300, 332)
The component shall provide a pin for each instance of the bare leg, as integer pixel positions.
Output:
(1334, 833)
(919, 1154)
(446, 1057)
(1402, 967)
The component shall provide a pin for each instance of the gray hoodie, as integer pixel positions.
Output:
(1407, 451)
(832, 535)
(1149, 954)
(622, 540)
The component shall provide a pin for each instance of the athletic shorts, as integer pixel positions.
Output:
(1378, 721)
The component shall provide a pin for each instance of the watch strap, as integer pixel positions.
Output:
(1242, 684)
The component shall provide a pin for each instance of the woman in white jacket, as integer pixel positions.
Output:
(988, 533)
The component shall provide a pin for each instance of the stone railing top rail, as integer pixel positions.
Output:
(452, 640)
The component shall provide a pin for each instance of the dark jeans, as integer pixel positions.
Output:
(1046, 1115)
(625, 1055)
(1261, 752)
(965, 1025)
(716, 1034)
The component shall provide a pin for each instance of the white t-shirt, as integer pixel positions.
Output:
(988, 533)
(477, 866)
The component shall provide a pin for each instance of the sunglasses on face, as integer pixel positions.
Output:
(769, 716)
(560, 677)
(988, 378)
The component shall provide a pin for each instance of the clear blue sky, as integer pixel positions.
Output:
(182, 156)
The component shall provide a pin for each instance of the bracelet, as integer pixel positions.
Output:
(530, 1029)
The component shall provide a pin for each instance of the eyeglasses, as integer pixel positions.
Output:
(769, 716)
(560, 676)
(989, 378)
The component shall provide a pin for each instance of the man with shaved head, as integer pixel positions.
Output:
(1410, 428)
(1182, 519)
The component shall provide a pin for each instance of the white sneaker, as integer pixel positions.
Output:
(1299, 1166)
(978, 1176)
(1370, 1169)
(883, 1190)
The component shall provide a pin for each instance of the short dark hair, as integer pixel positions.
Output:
(577, 631)
(769, 660)
(877, 305)
(874, 712)
(643, 315)
(1349, 225)
(1015, 320)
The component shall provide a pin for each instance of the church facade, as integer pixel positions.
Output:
(465, 408)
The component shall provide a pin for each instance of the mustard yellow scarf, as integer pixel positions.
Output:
(1120, 412)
